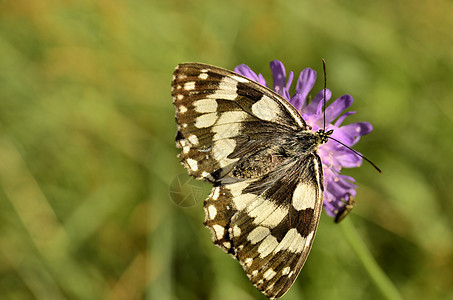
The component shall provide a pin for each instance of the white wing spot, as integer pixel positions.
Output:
(219, 231)
(206, 120)
(226, 90)
(242, 201)
(215, 193)
(184, 143)
(229, 117)
(179, 97)
(304, 196)
(255, 272)
(266, 109)
(193, 139)
(270, 287)
(182, 109)
(269, 274)
(225, 131)
(205, 105)
(227, 245)
(190, 85)
(286, 270)
(203, 76)
(266, 213)
(248, 262)
(236, 231)
(222, 149)
(185, 149)
(308, 239)
(292, 241)
(193, 164)
(258, 234)
(237, 188)
(240, 79)
(212, 211)
(267, 246)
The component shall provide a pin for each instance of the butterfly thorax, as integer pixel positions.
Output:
(286, 149)
(306, 142)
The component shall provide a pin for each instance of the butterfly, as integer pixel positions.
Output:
(261, 158)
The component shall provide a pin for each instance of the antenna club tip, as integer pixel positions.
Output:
(377, 168)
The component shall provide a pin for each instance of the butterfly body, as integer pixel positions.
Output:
(261, 157)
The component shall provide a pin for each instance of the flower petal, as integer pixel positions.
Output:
(337, 107)
(245, 70)
(357, 129)
(290, 80)
(306, 81)
(298, 101)
(349, 160)
(288, 85)
(279, 76)
(316, 104)
(342, 117)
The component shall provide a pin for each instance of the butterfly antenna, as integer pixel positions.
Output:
(325, 87)
(357, 153)
(324, 109)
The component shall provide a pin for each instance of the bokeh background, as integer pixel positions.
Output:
(87, 154)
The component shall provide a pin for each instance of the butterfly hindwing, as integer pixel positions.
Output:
(261, 158)
(277, 224)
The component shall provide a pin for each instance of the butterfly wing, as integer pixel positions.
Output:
(218, 111)
(266, 201)
(273, 223)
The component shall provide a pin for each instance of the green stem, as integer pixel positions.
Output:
(377, 275)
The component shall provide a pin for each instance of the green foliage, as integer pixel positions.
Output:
(87, 149)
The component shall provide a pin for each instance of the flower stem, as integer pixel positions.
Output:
(381, 280)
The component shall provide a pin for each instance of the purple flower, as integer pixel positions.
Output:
(338, 188)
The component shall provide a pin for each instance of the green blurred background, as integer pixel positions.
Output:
(87, 150)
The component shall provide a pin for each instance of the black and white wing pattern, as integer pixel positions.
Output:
(261, 157)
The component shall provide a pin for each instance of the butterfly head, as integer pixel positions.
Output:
(323, 136)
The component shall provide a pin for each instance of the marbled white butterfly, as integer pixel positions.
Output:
(261, 157)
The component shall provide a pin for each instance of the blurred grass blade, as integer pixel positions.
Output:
(381, 280)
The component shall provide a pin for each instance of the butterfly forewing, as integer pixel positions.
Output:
(261, 158)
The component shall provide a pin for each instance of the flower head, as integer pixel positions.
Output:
(337, 188)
